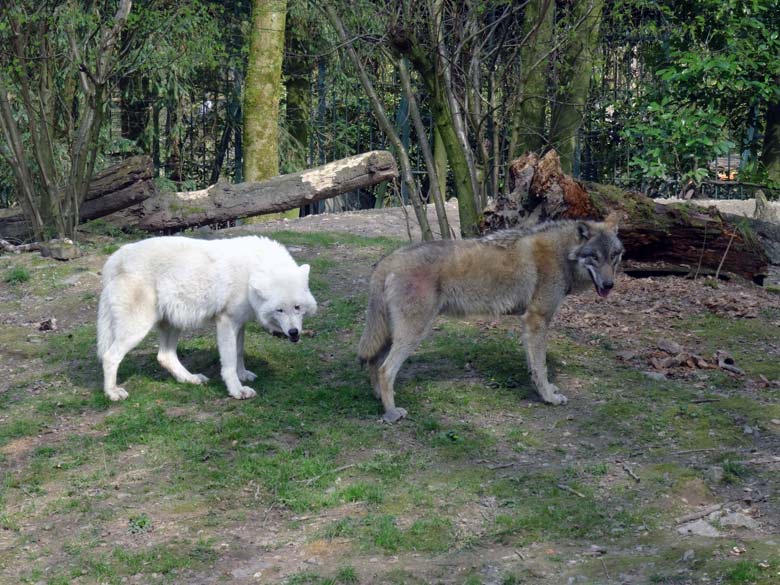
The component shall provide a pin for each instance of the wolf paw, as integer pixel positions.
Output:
(196, 379)
(243, 393)
(554, 396)
(247, 376)
(116, 394)
(394, 415)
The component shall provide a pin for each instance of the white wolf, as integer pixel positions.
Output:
(180, 283)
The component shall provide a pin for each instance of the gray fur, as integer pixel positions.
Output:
(519, 271)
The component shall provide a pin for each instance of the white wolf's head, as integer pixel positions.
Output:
(281, 300)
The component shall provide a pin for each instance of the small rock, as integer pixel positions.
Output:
(688, 555)
(748, 430)
(669, 346)
(716, 474)
(739, 520)
(48, 325)
(64, 249)
(699, 528)
(657, 376)
(775, 421)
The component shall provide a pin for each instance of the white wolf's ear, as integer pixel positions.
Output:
(260, 285)
(611, 221)
(583, 230)
(305, 270)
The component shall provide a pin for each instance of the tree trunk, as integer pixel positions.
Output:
(223, 202)
(263, 89)
(127, 183)
(444, 120)
(770, 154)
(575, 74)
(681, 234)
(528, 122)
(425, 148)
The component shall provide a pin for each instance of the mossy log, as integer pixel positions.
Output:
(225, 202)
(680, 233)
(121, 185)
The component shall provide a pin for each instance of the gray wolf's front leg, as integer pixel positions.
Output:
(227, 337)
(243, 374)
(535, 339)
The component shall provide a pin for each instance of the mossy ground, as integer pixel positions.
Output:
(481, 484)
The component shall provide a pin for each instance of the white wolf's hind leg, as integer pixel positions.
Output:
(130, 323)
(243, 374)
(168, 359)
(227, 337)
(535, 337)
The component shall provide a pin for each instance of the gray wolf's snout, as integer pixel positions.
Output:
(294, 335)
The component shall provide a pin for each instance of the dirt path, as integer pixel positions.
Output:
(392, 222)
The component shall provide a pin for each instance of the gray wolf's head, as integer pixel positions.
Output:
(599, 252)
(280, 300)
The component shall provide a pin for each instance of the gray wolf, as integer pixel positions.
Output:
(177, 283)
(519, 271)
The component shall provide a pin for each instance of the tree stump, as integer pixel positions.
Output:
(680, 233)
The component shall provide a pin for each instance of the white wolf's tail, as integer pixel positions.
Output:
(105, 330)
(376, 336)
(105, 334)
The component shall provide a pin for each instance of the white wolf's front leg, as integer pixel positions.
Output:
(535, 338)
(227, 337)
(243, 374)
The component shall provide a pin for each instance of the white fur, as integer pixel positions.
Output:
(177, 283)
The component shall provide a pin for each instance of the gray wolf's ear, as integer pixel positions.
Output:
(583, 230)
(611, 221)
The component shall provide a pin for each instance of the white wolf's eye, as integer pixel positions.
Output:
(280, 310)
(297, 307)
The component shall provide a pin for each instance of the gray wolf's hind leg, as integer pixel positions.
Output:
(168, 359)
(227, 338)
(243, 374)
(373, 371)
(129, 324)
(535, 337)
(408, 332)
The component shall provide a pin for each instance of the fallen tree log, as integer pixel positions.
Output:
(224, 202)
(680, 234)
(126, 183)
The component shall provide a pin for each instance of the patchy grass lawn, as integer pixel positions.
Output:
(302, 484)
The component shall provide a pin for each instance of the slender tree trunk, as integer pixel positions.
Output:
(262, 91)
(425, 147)
(770, 154)
(384, 123)
(576, 72)
(440, 161)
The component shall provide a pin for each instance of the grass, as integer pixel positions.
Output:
(152, 489)
(16, 275)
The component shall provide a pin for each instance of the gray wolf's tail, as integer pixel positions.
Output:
(376, 336)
